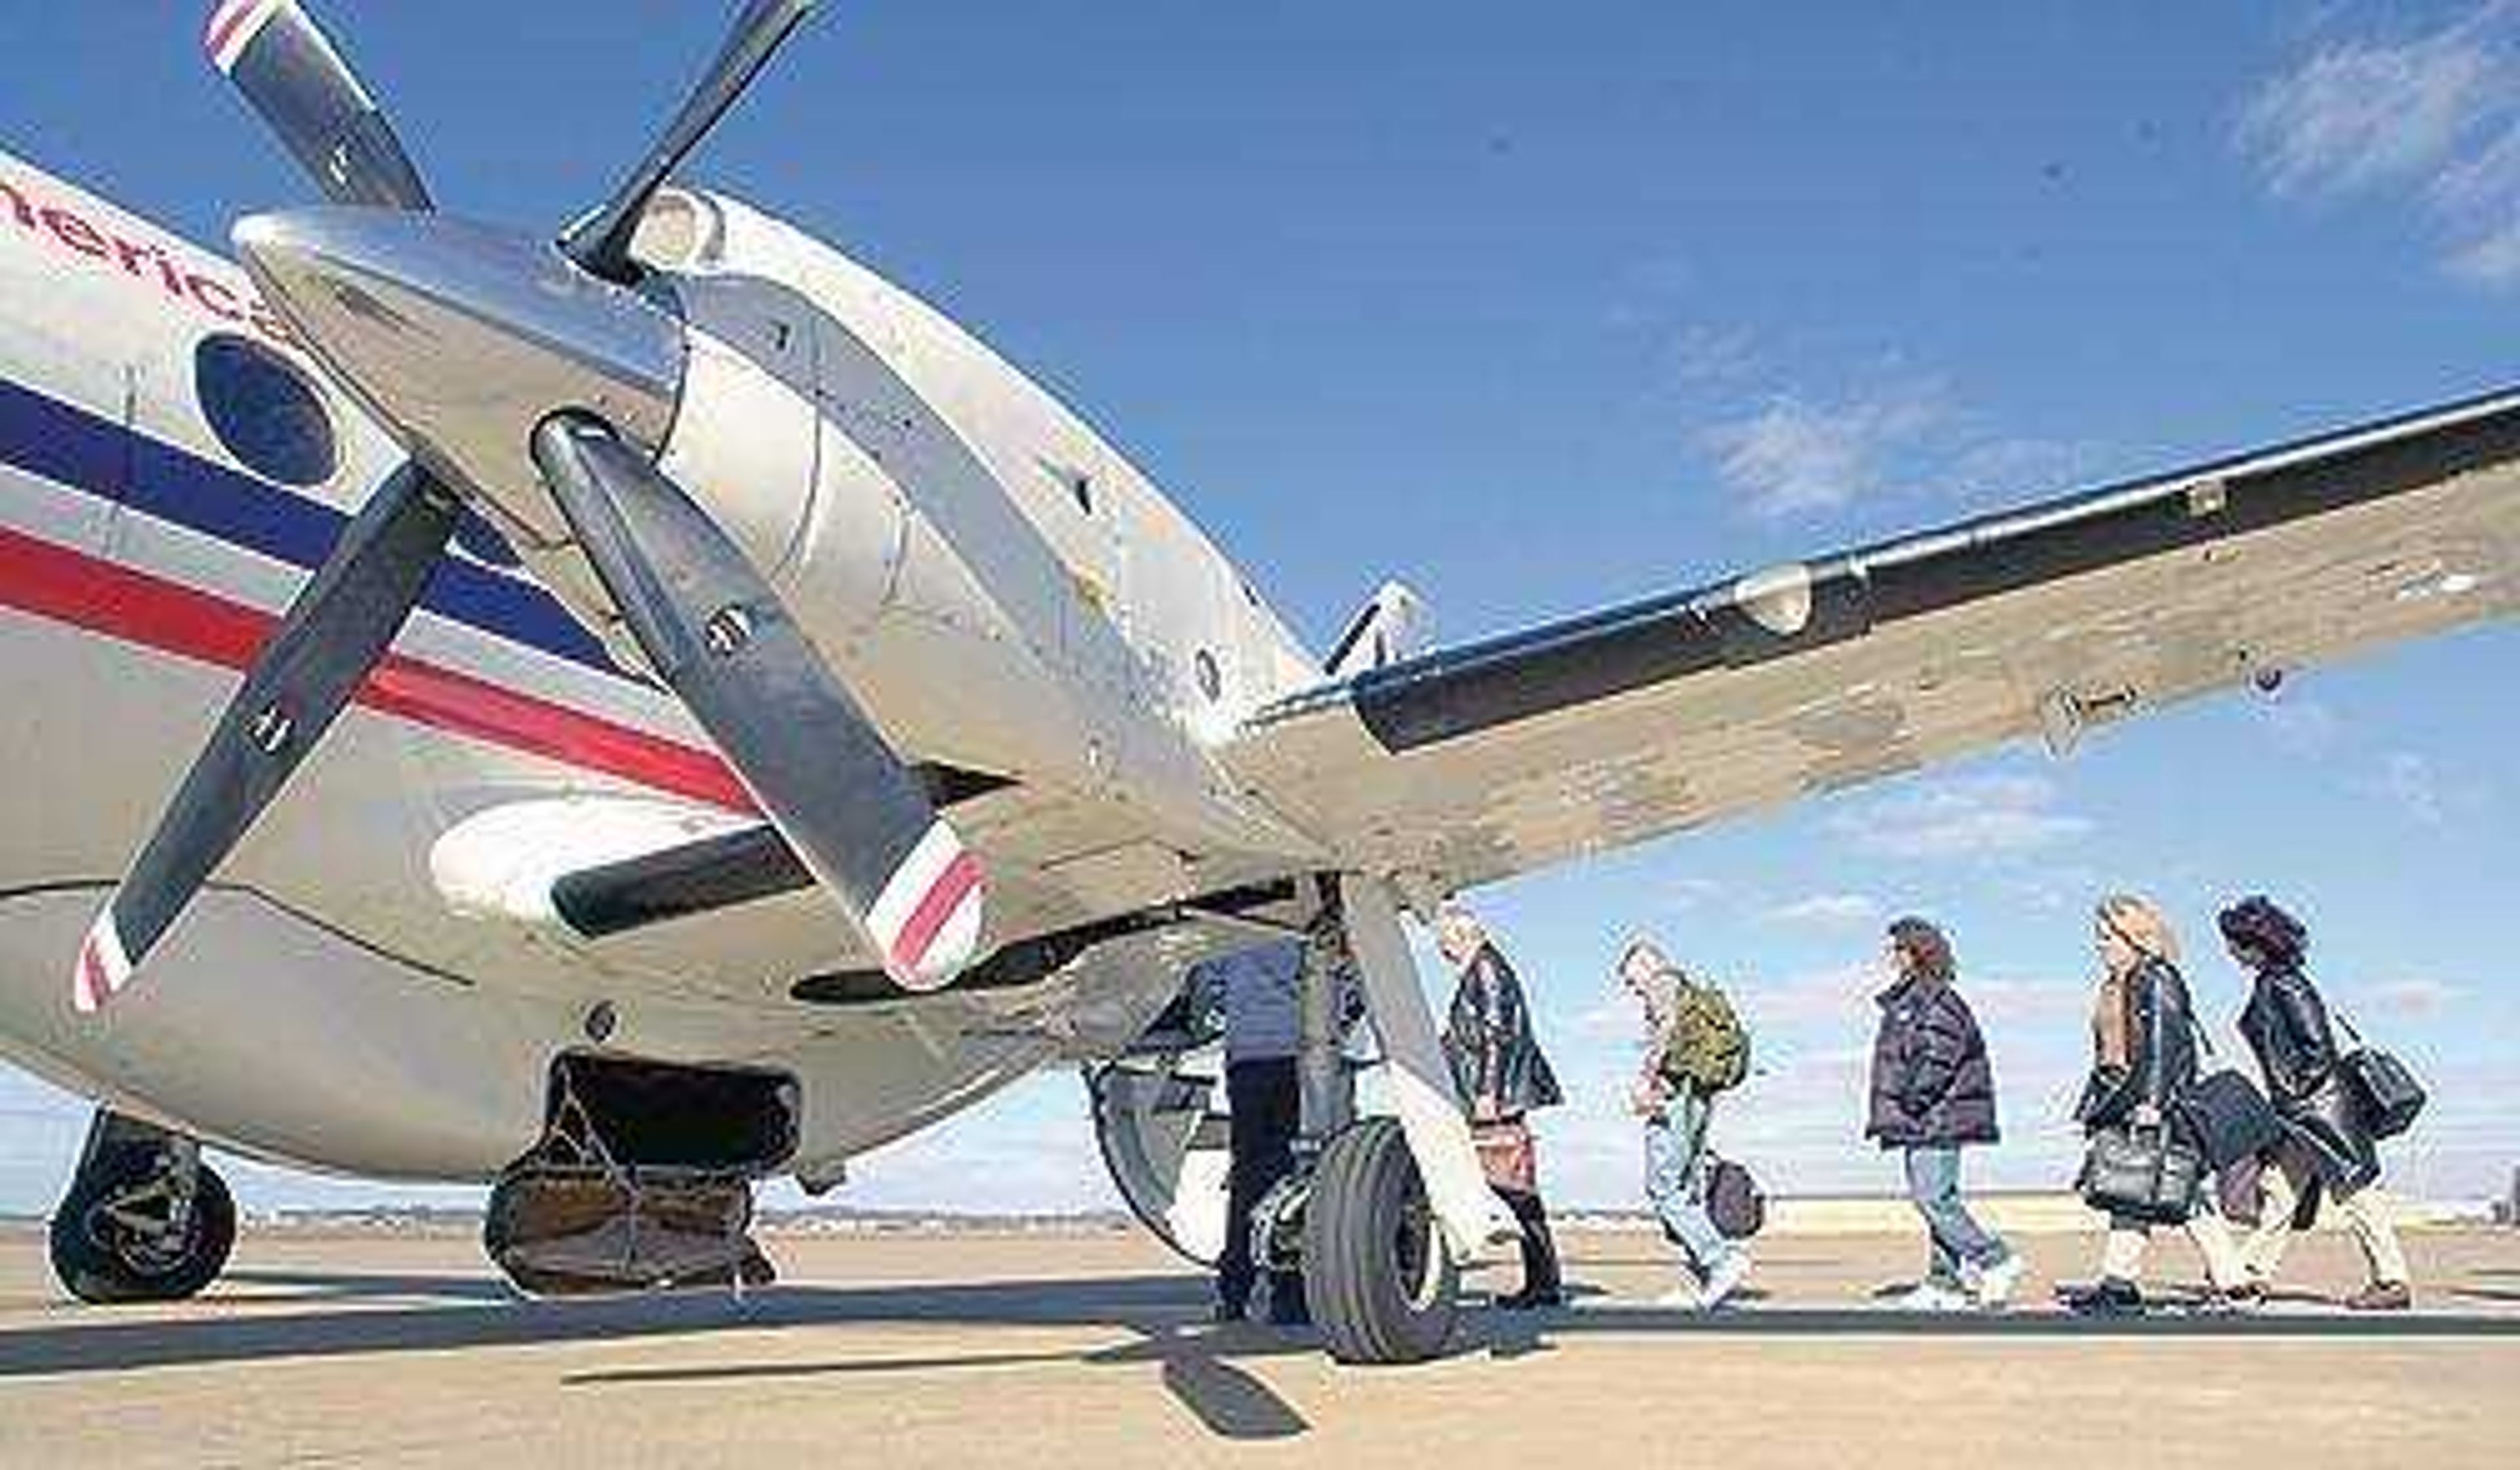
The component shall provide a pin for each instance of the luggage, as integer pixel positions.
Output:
(2233, 1119)
(1709, 1051)
(2142, 1172)
(2391, 1096)
(1734, 1200)
(1508, 1155)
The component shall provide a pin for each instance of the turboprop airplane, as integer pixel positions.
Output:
(757, 722)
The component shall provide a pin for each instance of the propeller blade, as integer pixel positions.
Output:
(332, 634)
(600, 243)
(717, 635)
(298, 85)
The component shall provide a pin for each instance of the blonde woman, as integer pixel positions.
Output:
(2143, 1063)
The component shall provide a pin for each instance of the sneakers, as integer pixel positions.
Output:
(1930, 1296)
(1687, 1296)
(1995, 1284)
(1727, 1277)
(2382, 1296)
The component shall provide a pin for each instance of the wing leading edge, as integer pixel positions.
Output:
(1478, 761)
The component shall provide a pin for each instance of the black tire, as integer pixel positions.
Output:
(98, 1264)
(1379, 1282)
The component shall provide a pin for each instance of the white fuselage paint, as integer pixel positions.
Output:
(363, 990)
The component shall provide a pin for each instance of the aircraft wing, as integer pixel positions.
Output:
(1478, 761)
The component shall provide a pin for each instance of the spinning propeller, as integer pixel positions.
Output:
(413, 313)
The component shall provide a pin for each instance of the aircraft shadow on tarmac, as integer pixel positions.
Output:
(324, 1314)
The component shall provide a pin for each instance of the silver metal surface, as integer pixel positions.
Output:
(463, 339)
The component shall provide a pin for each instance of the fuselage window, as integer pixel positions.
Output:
(265, 411)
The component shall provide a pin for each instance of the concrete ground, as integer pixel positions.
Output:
(1090, 1349)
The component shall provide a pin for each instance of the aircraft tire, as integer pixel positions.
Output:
(1376, 1276)
(98, 1264)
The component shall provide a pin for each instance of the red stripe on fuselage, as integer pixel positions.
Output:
(86, 591)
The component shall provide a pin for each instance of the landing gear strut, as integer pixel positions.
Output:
(145, 1218)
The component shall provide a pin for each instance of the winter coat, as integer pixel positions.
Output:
(1489, 1040)
(2285, 1023)
(1933, 1085)
(2159, 1065)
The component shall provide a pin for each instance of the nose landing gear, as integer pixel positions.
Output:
(145, 1218)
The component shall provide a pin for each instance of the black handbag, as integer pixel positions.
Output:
(2143, 1170)
(1734, 1201)
(2233, 1119)
(2391, 1096)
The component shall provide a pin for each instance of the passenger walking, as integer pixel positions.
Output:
(1933, 1094)
(2327, 1143)
(1503, 1077)
(2143, 1043)
(1258, 989)
(1695, 1048)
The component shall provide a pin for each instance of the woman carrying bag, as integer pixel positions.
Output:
(2327, 1142)
(1501, 1076)
(2146, 1165)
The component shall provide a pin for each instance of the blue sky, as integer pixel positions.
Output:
(1542, 310)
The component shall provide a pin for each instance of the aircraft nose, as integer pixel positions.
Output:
(463, 339)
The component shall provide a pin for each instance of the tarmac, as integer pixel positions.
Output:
(1091, 1348)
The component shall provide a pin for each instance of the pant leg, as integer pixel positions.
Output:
(2369, 1219)
(1675, 1180)
(1540, 1272)
(2212, 1234)
(1934, 1184)
(1264, 1104)
(2279, 1183)
(2122, 1257)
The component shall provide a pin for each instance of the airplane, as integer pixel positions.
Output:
(758, 722)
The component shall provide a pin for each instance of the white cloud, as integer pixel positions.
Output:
(1827, 910)
(1795, 455)
(2437, 114)
(1964, 818)
(2416, 995)
(2408, 781)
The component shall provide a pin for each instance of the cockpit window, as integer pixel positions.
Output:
(265, 411)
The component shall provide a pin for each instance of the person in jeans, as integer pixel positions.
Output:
(1501, 1076)
(1933, 1094)
(2143, 1063)
(1677, 1118)
(2327, 1145)
(1257, 988)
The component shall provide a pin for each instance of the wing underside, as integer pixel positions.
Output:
(1479, 762)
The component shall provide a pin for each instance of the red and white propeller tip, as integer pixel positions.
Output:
(234, 25)
(103, 968)
(926, 920)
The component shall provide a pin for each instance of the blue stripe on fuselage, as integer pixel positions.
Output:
(98, 456)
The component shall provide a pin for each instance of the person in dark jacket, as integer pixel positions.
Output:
(2144, 1064)
(1933, 1094)
(2328, 1145)
(1502, 1077)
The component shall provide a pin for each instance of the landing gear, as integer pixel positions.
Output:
(1378, 1277)
(145, 1218)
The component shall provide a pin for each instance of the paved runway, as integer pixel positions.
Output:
(1090, 1350)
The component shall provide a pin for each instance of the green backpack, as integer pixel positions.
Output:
(1709, 1051)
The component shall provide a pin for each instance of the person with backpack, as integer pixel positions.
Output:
(2328, 1143)
(1501, 1076)
(1933, 1094)
(1695, 1049)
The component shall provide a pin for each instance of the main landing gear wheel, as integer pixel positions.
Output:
(142, 1225)
(1380, 1285)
